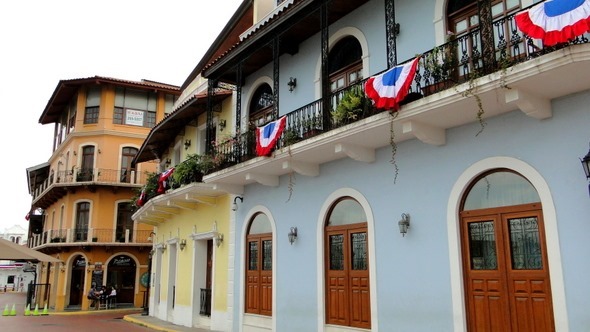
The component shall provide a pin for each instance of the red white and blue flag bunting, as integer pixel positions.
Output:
(267, 136)
(163, 180)
(142, 198)
(556, 21)
(387, 90)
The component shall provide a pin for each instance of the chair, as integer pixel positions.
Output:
(102, 302)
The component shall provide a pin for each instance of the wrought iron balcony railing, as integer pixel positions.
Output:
(99, 176)
(459, 60)
(205, 307)
(85, 236)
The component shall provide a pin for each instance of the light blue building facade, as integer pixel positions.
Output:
(486, 170)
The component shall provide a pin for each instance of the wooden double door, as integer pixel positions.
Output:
(506, 273)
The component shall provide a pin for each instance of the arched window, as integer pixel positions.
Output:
(347, 265)
(259, 266)
(261, 105)
(345, 63)
(463, 19)
(504, 255)
(127, 155)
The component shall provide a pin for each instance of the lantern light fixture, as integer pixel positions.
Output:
(404, 224)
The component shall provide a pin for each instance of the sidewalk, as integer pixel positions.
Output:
(131, 315)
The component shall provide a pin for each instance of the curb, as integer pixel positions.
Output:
(133, 320)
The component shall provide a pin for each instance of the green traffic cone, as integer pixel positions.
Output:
(45, 313)
(5, 312)
(28, 310)
(13, 311)
(36, 312)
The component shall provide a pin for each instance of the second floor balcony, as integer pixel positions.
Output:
(57, 239)
(460, 82)
(57, 184)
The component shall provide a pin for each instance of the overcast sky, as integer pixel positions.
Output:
(43, 42)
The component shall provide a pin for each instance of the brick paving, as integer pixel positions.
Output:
(112, 320)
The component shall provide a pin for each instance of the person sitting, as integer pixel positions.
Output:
(112, 298)
(94, 296)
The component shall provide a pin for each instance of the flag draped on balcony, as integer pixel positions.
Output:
(387, 90)
(141, 199)
(267, 136)
(163, 180)
(556, 21)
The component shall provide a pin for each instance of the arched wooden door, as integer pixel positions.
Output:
(506, 272)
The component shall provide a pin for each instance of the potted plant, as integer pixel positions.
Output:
(291, 136)
(188, 171)
(312, 126)
(351, 107)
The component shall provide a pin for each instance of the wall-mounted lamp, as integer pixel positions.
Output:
(396, 29)
(292, 83)
(150, 238)
(99, 151)
(164, 246)
(586, 165)
(222, 124)
(292, 235)
(62, 267)
(168, 162)
(234, 206)
(404, 224)
(187, 143)
(75, 153)
(182, 244)
(218, 239)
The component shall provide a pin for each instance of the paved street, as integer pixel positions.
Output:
(115, 320)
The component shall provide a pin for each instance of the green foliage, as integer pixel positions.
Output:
(351, 106)
(188, 171)
(151, 187)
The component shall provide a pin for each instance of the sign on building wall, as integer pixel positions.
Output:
(134, 117)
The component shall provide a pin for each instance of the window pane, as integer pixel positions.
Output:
(497, 9)
(460, 26)
(93, 96)
(359, 251)
(482, 246)
(260, 225)
(525, 249)
(267, 255)
(253, 255)
(336, 252)
(500, 189)
(347, 211)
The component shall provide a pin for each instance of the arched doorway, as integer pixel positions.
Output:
(77, 280)
(504, 255)
(121, 275)
(348, 300)
(259, 266)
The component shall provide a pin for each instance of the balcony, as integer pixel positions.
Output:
(456, 83)
(89, 237)
(57, 184)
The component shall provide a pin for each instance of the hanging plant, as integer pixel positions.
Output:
(471, 91)
(393, 145)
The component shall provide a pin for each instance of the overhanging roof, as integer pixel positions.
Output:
(164, 133)
(65, 90)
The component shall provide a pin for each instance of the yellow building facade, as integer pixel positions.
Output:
(82, 196)
(192, 219)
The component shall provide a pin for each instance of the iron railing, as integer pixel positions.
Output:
(89, 235)
(102, 176)
(205, 307)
